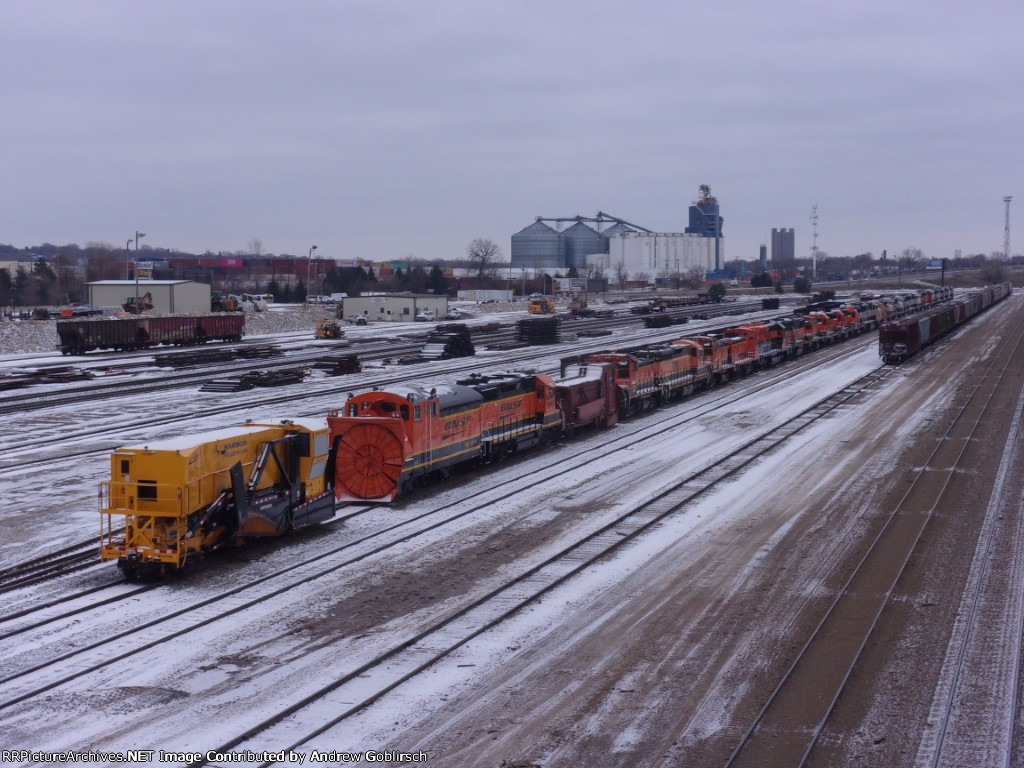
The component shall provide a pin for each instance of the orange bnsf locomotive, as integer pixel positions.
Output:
(387, 440)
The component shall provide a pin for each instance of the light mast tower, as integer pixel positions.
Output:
(1006, 229)
(814, 242)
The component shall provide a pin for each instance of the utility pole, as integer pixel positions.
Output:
(1006, 229)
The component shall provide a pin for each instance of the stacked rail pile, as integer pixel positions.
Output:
(538, 330)
(452, 341)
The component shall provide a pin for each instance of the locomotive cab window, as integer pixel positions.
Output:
(416, 413)
(405, 412)
(622, 369)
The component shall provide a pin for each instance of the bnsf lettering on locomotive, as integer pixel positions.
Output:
(457, 423)
(511, 406)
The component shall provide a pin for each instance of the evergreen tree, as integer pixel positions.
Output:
(22, 284)
(6, 288)
(437, 282)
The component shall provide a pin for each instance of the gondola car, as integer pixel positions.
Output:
(84, 335)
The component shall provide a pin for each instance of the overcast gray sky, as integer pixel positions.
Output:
(388, 129)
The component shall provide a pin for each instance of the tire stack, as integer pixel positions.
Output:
(538, 330)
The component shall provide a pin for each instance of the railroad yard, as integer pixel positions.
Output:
(821, 563)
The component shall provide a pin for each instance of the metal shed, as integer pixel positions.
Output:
(178, 297)
(395, 307)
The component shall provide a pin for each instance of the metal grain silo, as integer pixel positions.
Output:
(615, 229)
(537, 246)
(579, 241)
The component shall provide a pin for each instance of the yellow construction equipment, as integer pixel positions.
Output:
(541, 305)
(169, 503)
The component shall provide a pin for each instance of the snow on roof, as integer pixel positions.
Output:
(582, 373)
(142, 283)
(188, 442)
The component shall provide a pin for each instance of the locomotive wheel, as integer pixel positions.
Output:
(369, 462)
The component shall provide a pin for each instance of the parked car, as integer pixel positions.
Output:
(454, 313)
(427, 315)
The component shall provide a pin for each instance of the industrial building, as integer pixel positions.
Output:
(394, 307)
(621, 244)
(169, 297)
(656, 254)
(706, 221)
(784, 250)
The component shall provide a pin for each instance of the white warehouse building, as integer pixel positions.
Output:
(656, 254)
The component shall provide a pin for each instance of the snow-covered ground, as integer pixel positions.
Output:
(195, 691)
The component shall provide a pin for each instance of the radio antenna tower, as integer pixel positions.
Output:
(1006, 229)
(814, 242)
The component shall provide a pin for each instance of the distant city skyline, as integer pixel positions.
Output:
(397, 129)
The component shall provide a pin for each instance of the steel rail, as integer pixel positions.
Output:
(807, 736)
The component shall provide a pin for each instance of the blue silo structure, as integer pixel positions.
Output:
(706, 221)
(537, 246)
(579, 241)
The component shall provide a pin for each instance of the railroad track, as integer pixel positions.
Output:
(52, 566)
(175, 623)
(22, 403)
(360, 686)
(450, 368)
(788, 726)
(984, 654)
(62, 562)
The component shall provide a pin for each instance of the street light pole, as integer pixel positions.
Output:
(309, 259)
(137, 236)
(127, 258)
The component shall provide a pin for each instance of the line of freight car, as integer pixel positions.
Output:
(904, 337)
(85, 335)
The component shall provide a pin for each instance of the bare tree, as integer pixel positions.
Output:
(256, 247)
(695, 277)
(483, 255)
(642, 277)
(621, 275)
